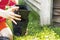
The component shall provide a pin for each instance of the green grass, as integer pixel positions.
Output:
(33, 25)
(35, 31)
(57, 30)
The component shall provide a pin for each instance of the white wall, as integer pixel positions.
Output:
(34, 5)
(44, 10)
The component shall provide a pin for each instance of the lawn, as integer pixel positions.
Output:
(36, 32)
(33, 26)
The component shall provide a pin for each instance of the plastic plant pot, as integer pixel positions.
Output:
(4, 38)
(20, 28)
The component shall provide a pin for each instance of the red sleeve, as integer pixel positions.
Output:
(11, 3)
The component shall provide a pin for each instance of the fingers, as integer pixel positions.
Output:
(13, 21)
(13, 17)
(17, 15)
(16, 8)
(13, 8)
(13, 14)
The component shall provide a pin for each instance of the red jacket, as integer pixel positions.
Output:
(3, 4)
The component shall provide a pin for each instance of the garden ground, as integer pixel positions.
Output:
(36, 32)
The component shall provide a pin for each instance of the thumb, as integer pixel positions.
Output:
(13, 8)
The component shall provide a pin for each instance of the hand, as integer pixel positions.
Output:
(9, 15)
(12, 16)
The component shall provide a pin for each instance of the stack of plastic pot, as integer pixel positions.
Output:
(20, 28)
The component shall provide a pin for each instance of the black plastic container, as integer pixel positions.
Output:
(20, 28)
(4, 38)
